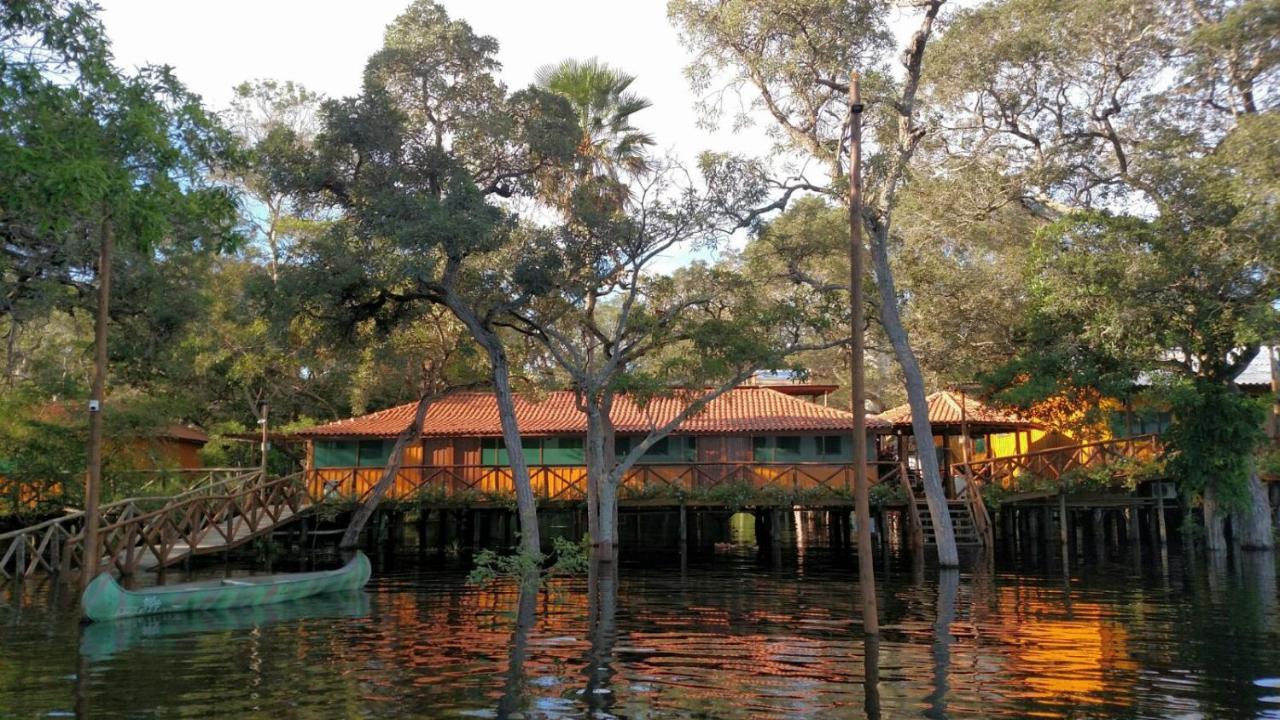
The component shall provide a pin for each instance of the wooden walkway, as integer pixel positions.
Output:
(218, 514)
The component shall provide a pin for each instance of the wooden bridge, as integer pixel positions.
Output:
(219, 512)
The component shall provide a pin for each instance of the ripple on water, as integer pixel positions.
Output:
(723, 639)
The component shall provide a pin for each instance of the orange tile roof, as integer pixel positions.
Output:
(472, 414)
(945, 409)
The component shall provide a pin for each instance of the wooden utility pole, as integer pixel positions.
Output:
(862, 504)
(266, 444)
(93, 478)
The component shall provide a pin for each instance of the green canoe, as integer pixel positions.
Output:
(101, 641)
(104, 599)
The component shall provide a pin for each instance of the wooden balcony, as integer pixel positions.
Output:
(567, 483)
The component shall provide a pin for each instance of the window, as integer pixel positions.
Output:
(335, 453)
(761, 449)
(980, 445)
(830, 445)
(673, 448)
(563, 451)
(787, 448)
(375, 453)
(352, 453)
(537, 451)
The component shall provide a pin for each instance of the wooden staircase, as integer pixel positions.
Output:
(962, 522)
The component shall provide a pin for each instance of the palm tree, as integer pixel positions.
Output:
(609, 145)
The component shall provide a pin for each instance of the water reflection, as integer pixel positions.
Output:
(514, 693)
(948, 588)
(871, 676)
(730, 637)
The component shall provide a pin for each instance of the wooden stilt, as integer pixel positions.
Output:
(1160, 521)
(1099, 534)
(684, 531)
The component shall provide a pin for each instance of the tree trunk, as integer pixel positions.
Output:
(1253, 524)
(1214, 533)
(944, 535)
(526, 504)
(351, 538)
(595, 469)
(93, 478)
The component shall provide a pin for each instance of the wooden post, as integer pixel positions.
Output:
(1099, 534)
(266, 445)
(684, 530)
(93, 478)
(20, 562)
(1164, 537)
(916, 528)
(775, 536)
(1064, 520)
(866, 566)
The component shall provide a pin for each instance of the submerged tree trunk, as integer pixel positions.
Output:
(513, 696)
(944, 535)
(1215, 537)
(351, 538)
(1252, 525)
(602, 630)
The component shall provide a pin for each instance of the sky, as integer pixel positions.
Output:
(213, 46)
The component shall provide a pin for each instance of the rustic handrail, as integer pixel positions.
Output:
(131, 528)
(1148, 438)
(568, 482)
(1053, 462)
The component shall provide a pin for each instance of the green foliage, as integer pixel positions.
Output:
(884, 494)
(603, 104)
(571, 558)
(1212, 440)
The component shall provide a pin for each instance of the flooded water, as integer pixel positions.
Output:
(728, 636)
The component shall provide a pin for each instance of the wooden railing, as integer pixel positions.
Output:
(1044, 466)
(20, 499)
(218, 512)
(553, 483)
(1052, 464)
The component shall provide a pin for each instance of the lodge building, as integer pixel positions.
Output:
(776, 435)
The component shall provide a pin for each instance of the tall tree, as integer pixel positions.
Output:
(610, 145)
(1146, 132)
(615, 325)
(794, 57)
(91, 153)
(272, 118)
(410, 164)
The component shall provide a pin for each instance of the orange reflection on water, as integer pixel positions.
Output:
(1076, 652)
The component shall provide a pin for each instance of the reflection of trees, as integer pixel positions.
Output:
(1258, 568)
(948, 587)
(602, 630)
(513, 694)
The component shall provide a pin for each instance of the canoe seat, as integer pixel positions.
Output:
(235, 582)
